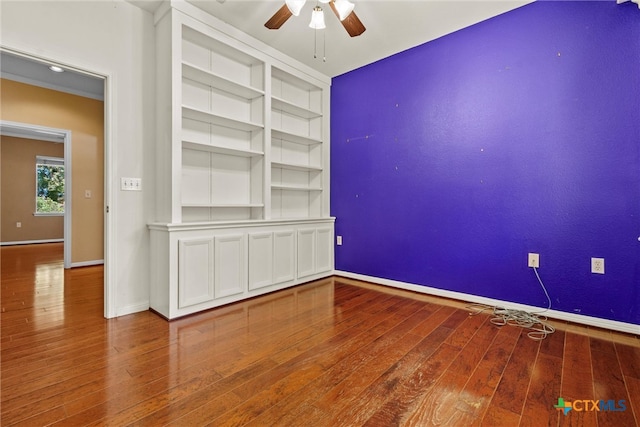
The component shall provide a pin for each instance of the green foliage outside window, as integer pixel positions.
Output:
(50, 192)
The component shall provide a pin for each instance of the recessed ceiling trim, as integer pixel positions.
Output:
(39, 133)
(20, 67)
(52, 86)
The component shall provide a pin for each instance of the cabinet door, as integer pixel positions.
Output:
(324, 247)
(260, 260)
(195, 267)
(230, 265)
(306, 252)
(283, 256)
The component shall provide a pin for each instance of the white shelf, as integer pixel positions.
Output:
(296, 110)
(294, 167)
(201, 75)
(214, 119)
(292, 137)
(221, 150)
(294, 187)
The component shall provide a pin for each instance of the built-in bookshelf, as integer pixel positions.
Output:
(296, 146)
(223, 131)
(243, 167)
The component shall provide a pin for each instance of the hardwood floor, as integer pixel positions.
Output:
(334, 352)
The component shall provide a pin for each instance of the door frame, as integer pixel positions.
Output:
(56, 136)
(109, 284)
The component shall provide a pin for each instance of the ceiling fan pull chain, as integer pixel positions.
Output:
(324, 46)
(315, 43)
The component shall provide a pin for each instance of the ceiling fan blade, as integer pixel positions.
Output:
(278, 18)
(351, 23)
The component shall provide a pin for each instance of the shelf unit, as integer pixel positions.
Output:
(247, 132)
(297, 146)
(223, 130)
(242, 166)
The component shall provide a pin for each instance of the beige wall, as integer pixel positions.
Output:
(84, 117)
(18, 189)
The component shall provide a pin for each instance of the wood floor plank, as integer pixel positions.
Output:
(496, 416)
(351, 321)
(397, 341)
(609, 384)
(553, 345)
(326, 353)
(543, 393)
(512, 390)
(468, 327)
(208, 402)
(441, 405)
(27, 409)
(577, 379)
(482, 384)
(359, 405)
(48, 417)
(446, 402)
(629, 358)
(633, 404)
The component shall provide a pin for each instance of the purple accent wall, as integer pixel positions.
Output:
(451, 161)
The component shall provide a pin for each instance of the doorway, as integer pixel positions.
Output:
(23, 74)
(56, 136)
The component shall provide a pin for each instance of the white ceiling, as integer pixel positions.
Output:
(392, 26)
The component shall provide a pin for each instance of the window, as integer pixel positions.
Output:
(49, 186)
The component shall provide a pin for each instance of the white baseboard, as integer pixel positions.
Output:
(87, 263)
(133, 308)
(31, 242)
(560, 315)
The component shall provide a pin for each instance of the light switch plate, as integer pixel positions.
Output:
(131, 184)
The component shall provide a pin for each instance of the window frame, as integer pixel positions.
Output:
(49, 161)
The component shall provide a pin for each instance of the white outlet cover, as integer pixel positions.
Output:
(597, 265)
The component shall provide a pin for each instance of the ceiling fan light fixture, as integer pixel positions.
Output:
(295, 6)
(344, 8)
(324, 1)
(317, 19)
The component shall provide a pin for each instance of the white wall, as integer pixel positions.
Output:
(116, 39)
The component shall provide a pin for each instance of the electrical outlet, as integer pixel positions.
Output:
(87, 194)
(18, 224)
(597, 265)
(339, 240)
(534, 260)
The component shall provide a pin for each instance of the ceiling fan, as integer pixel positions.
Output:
(343, 9)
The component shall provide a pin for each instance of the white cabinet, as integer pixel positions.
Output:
(242, 164)
(306, 252)
(324, 249)
(283, 256)
(271, 258)
(220, 264)
(261, 256)
(195, 265)
(229, 265)
(315, 251)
